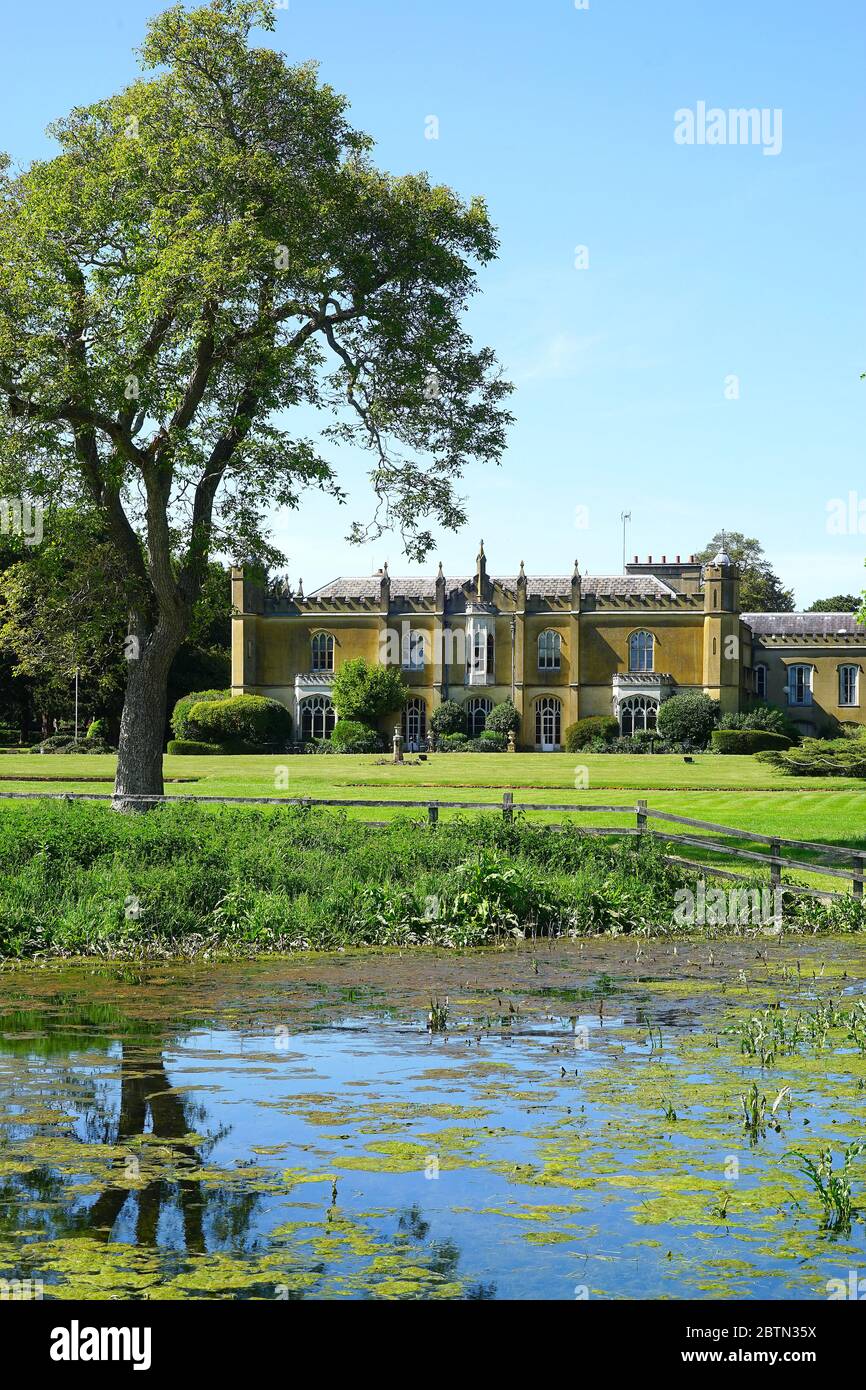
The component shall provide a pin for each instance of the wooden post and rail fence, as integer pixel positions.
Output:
(775, 857)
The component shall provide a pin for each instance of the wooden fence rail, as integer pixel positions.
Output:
(773, 858)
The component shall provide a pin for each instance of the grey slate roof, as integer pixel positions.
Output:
(802, 624)
(537, 586)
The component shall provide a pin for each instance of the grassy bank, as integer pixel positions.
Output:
(182, 880)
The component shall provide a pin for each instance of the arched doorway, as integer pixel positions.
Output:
(548, 723)
(415, 724)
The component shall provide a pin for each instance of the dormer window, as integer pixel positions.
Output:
(322, 652)
(641, 651)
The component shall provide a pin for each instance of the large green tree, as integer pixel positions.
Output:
(839, 603)
(212, 247)
(761, 589)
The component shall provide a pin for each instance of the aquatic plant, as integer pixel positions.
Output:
(437, 1019)
(831, 1186)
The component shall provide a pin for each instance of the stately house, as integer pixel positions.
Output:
(560, 646)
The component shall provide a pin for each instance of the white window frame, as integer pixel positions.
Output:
(640, 711)
(548, 718)
(848, 671)
(800, 683)
(322, 715)
(549, 650)
(641, 651)
(413, 654)
(480, 706)
(414, 723)
(764, 670)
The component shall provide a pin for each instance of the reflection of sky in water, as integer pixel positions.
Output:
(554, 1082)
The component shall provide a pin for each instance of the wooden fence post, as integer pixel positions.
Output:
(641, 816)
(508, 807)
(858, 885)
(433, 814)
(775, 869)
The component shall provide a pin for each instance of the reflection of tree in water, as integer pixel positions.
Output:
(170, 1208)
(146, 1094)
(444, 1254)
(155, 1198)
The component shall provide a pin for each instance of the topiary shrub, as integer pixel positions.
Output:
(583, 731)
(351, 736)
(251, 721)
(503, 719)
(688, 718)
(98, 728)
(180, 714)
(748, 741)
(191, 748)
(448, 718)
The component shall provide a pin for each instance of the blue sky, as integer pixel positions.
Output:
(705, 262)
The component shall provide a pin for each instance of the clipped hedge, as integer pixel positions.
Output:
(180, 714)
(251, 721)
(748, 741)
(192, 748)
(583, 731)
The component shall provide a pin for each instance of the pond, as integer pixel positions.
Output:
(562, 1121)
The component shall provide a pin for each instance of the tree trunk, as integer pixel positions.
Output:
(142, 724)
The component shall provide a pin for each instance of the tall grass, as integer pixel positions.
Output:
(80, 879)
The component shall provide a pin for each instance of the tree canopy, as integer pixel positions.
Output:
(761, 590)
(212, 247)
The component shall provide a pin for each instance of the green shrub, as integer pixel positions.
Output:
(453, 743)
(351, 736)
(503, 719)
(839, 757)
(366, 693)
(98, 728)
(583, 731)
(192, 748)
(180, 714)
(66, 743)
(748, 741)
(489, 742)
(250, 721)
(688, 718)
(448, 718)
(762, 716)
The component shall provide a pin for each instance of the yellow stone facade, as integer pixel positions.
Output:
(560, 647)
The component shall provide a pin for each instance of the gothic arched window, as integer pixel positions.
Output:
(549, 651)
(641, 651)
(322, 652)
